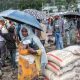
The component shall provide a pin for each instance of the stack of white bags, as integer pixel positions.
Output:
(64, 64)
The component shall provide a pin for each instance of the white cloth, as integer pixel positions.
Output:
(26, 42)
(4, 30)
(30, 58)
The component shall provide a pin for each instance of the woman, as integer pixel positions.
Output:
(27, 66)
(29, 57)
(58, 30)
(31, 36)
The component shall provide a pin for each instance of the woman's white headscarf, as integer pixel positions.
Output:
(31, 36)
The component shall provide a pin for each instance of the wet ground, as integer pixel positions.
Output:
(8, 73)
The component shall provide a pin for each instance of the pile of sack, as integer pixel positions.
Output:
(64, 64)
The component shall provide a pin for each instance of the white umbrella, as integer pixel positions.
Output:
(38, 14)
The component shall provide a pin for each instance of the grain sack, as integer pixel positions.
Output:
(52, 76)
(49, 74)
(73, 49)
(71, 75)
(53, 67)
(67, 75)
(62, 70)
(53, 57)
(77, 71)
(69, 67)
(61, 58)
(69, 60)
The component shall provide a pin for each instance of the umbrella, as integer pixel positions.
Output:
(38, 14)
(21, 17)
(71, 15)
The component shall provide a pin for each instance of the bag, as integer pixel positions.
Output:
(59, 58)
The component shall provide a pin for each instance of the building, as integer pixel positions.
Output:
(50, 9)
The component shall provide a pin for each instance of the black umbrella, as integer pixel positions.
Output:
(71, 15)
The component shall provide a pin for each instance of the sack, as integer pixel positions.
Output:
(60, 71)
(69, 67)
(61, 58)
(53, 67)
(73, 49)
(50, 75)
(67, 76)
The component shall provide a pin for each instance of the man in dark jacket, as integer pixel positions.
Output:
(2, 48)
(10, 43)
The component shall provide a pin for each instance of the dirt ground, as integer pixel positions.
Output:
(8, 72)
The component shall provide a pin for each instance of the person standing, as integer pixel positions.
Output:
(10, 38)
(69, 31)
(78, 31)
(43, 36)
(78, 26)
(33, 38)
(2, 47)
(58, 30)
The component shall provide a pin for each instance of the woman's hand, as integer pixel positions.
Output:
(32, 51)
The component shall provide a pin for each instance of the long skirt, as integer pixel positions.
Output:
(26, 71)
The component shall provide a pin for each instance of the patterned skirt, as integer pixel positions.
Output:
(26, 71)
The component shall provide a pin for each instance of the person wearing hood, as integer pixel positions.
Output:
(10, 38)
(35, 40)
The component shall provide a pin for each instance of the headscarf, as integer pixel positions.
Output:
(31, 36)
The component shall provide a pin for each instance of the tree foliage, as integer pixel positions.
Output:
(37, 4)
(70, 3)
(21, 4)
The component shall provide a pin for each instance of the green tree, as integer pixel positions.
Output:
(70, 3)
(37, 4)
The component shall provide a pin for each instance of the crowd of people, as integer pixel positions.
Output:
(65, 30)
(28, 45)
(27, 42)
